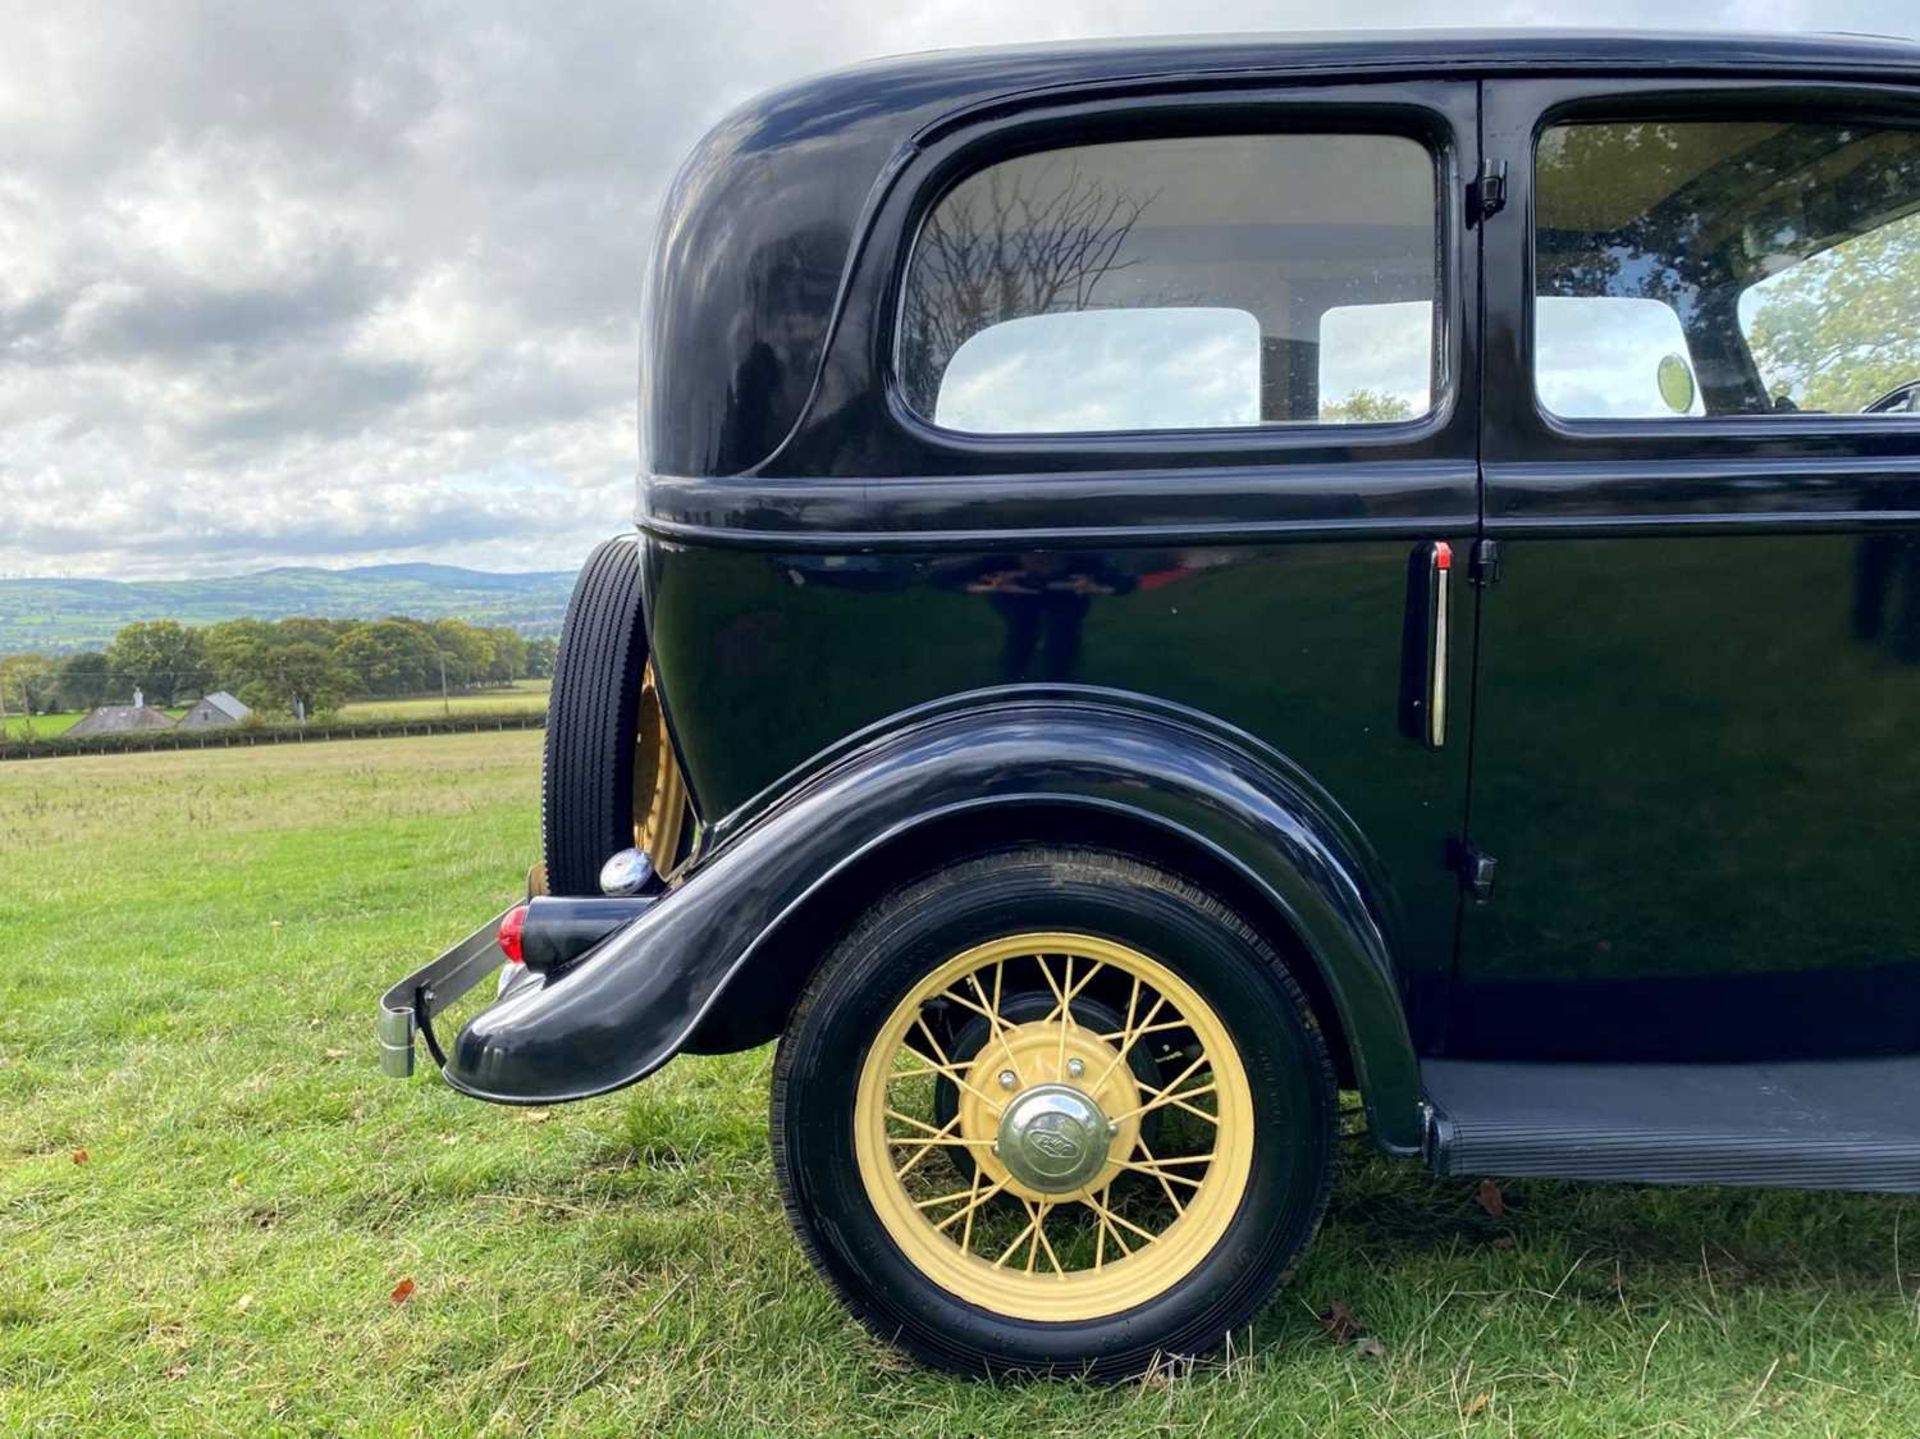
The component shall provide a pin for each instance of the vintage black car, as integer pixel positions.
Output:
(1173, 579)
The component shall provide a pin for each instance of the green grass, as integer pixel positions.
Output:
(40, 726)
(530, 695)
(197, 940)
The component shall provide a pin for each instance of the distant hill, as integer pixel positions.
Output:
(56, 615)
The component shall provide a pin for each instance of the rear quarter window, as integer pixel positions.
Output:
(1192, 283)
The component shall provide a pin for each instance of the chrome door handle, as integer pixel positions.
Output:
(1424, 641)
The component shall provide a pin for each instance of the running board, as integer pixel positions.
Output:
(1819, 1124)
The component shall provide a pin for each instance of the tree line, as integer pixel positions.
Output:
(309, 666)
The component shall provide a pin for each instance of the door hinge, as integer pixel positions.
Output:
(1475, 867)
(1487, 191)
(1483, 563)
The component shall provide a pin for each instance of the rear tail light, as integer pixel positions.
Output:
(512, 927)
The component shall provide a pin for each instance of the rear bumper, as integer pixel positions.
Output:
(554, 933)
(407, 1010)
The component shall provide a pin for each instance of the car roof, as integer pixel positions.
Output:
(761, 223)
(1428, 51)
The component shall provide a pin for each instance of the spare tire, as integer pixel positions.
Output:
(609, 778)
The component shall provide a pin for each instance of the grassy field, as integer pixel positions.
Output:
(521, 695)
(208, 1195)
(43, 726)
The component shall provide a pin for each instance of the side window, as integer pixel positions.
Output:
(1698, 268)
(1196, 283)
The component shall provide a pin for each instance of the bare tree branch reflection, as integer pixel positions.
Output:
(1007, 244)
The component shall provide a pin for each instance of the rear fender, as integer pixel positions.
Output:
(633, 1002)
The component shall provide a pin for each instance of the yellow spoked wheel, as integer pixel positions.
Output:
(1054, 1126)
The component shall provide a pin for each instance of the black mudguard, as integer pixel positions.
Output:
(634, 1001)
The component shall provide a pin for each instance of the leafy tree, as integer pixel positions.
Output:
(467, 651)
(1839, 330)
(313, 631)
(81, 681)
(1366, 407)
(162, 657)
(540, 654)
(292, 673)
(26, 683)
(509, 655)
(394, 656)
(233, 650)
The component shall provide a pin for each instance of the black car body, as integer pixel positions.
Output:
(1552, 714)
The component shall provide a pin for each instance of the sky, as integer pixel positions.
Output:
(334, 283)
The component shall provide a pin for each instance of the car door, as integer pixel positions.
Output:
(1696, 757)
(1160, 395)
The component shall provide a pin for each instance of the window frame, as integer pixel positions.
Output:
(1348, 110)
(1623, 101)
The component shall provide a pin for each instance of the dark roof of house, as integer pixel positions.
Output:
(117, 719)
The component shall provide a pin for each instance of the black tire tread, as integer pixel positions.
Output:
(586, 781)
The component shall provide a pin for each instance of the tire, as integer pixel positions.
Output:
(885, 1018)
(586, 790)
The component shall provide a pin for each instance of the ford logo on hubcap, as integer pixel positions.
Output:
(1053, 1138)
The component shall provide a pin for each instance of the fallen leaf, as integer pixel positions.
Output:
(80, 1156)
(1506, 1241)
(1475, 1405)
(402, 1292)
(1339, 1322)
(536, 1116)
(334, 1053)
(176, 1371)
(1491, 1199)
(243, 1304)
(1369, 1348)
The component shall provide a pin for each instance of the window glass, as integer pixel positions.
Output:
(1168, 368)
(1750, 267)
(1376, 362)
(1602, 356)
(1209, 282)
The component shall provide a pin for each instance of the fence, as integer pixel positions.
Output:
(136, 741)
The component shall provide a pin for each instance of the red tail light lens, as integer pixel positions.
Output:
(512, 926)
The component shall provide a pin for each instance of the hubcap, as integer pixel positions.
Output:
(1053, 1138)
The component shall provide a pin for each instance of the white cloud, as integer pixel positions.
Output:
(352, 281)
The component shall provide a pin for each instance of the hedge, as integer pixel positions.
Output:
(230, 736)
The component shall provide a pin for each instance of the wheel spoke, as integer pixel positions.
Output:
(1166, 1183)
(949, 1142)
(938, 1200)
(1065, 1010)
(951, 1071)
(1011, 1249)
(996, 1022)
(1040, 1238)
(925, 1149)
(1130, 1038)
(1145, 1030)
(938, 1131)
(979, 1197)
(1107, 1226)
(1171, 1093)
